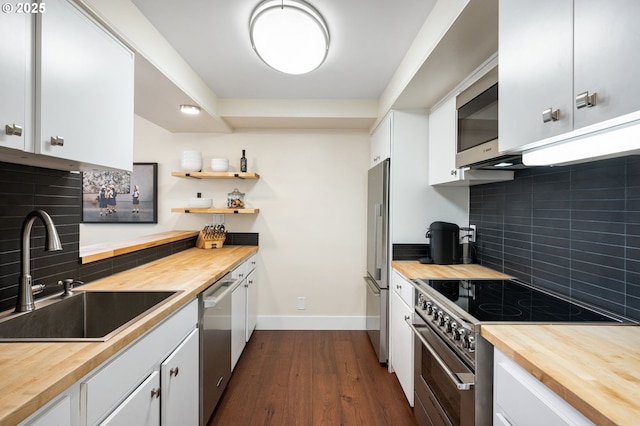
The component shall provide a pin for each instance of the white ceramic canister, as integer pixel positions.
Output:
(191, 161)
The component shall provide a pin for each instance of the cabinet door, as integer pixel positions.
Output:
(15, 48)
(607, 41)
(252, 304)
(401, 339)
(179, 374)
(535, 70)
(521, 399)
(58, 413)
(442, 144)
(84, 89)
(141, 408)
(238, 322)
(380, 147)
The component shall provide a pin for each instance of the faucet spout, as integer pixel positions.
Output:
(52, 243)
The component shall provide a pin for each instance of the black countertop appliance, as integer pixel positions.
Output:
(444, 243)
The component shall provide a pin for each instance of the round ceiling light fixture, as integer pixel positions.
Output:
(289, 35)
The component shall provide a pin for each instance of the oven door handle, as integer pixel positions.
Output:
(461, 385)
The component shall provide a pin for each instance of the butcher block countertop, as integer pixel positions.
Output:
(411, 269)
(34, 373)
(595, 368)
(102, 251)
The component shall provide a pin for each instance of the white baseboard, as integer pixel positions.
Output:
(273, 322)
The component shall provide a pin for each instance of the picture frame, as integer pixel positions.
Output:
(121, 196)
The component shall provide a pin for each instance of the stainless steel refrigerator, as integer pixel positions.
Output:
(377, 278)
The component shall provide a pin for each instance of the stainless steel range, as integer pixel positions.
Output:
(453, 363)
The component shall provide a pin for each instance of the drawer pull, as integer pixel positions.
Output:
(174, 371)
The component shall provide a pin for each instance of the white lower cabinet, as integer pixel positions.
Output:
(252, 303)
(56, 413)
(179, 384)
(238, 322)
(519, 399)
(244, 307)
(400, 334)
(143, 405)
(106, 393)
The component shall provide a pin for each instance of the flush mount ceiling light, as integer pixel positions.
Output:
(289, 35)
(190, 109)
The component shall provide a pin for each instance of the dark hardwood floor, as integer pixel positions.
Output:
(311, 378)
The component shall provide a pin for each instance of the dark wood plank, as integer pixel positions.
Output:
(303, 377)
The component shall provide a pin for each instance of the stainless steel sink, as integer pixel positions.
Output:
(86, 316)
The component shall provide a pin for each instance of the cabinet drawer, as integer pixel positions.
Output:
(404, 289)
(100, 393)
(521, 399)
(252, 262)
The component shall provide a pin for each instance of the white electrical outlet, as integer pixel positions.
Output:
(472, 234)
(301, 304)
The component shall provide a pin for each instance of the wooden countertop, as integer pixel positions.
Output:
(595, 368)
(411, 269)
(34, 373)
(97, 252)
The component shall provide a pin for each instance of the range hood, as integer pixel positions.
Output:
(614, 138)
(503, 162)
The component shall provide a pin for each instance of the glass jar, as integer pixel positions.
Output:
(235, 199)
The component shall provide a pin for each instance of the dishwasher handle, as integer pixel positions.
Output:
(226, 287)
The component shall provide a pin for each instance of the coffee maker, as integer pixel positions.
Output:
(444, 244)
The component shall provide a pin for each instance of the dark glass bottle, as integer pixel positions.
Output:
(243, 162)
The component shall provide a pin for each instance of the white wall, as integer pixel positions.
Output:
(312, 200)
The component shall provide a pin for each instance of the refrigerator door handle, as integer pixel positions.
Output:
(372, 286)
(378, 240)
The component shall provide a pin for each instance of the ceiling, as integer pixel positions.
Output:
(368, 41)
(400, 54)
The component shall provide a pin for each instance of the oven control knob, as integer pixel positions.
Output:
(451, 327)
(444, 320)
(458, 333)
(436, 314)
(469, 342)
(428, 306)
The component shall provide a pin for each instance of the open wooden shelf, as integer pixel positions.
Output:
(217, 175)
(214, 210)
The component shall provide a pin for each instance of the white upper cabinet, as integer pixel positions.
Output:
(15, 38)
(553, 54)
(607, 59)
(442, 152)
(380, 147)
(84, 90)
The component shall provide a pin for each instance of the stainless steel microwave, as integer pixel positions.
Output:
(477, 134)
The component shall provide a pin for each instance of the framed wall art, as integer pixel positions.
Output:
(119, 196)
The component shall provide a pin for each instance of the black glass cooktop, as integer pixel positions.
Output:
(513, 301)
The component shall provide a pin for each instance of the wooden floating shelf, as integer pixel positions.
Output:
(215, 211)
(217, 175)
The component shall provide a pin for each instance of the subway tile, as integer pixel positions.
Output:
(581, 222)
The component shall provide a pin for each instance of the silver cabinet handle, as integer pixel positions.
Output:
(454, 172)
(174, 371)
(13, 130)
(57, 140)
(460, 385)
(586, 100)
(155, 393)
(550, 115)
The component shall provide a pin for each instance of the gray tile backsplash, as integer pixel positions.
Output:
(572, 229)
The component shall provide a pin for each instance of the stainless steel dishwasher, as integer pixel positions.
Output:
(215, 343)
